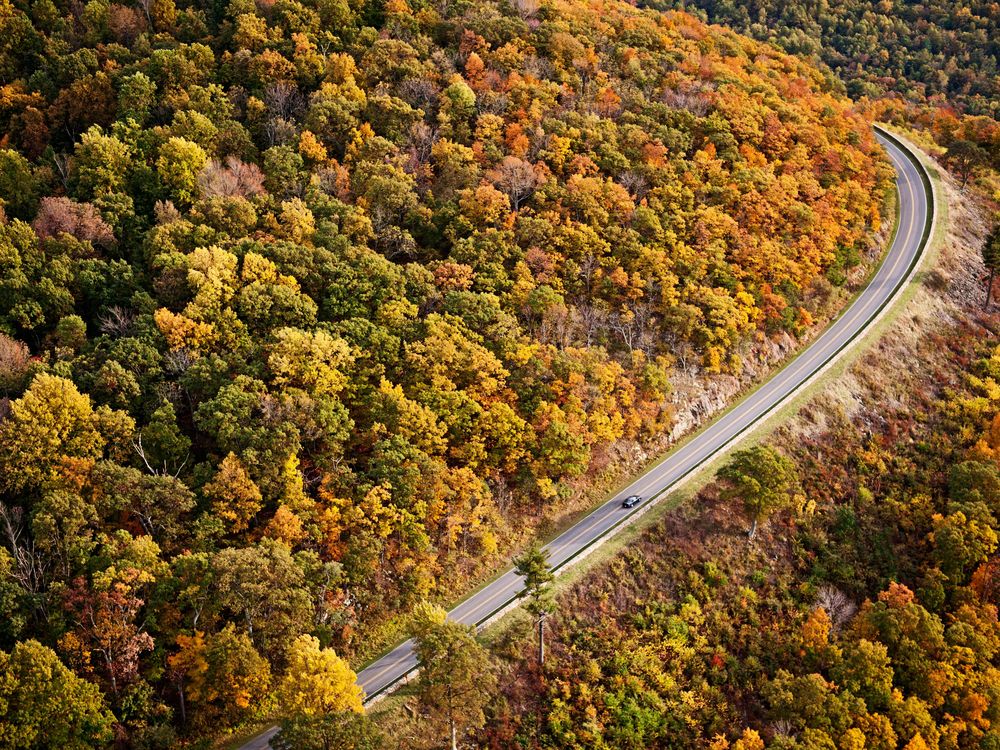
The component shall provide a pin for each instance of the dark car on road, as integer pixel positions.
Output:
(631, 501)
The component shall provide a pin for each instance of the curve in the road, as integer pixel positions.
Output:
(916, 210)
(915, 217)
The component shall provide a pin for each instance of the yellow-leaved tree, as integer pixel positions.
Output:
(313, 361)
(50, 422)
(221, 678)
(317, 681)
(235, 497)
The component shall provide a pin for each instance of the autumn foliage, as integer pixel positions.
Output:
(312, 310)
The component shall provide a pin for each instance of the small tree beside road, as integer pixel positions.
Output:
(965, 157)
(456, 676)
(763, 479)
(534, 567)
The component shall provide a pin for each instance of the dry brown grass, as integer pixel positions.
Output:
(950, 292)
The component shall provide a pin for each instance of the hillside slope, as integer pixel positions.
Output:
(312, 310)
(863, 614)
(939, 50)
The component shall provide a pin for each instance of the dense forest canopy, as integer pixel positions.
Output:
(308, 307)
(944, 50)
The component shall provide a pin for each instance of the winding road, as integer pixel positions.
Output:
(915, 220)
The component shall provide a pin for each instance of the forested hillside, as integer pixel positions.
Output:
(947, 50)
(835, 587)
(310, 310)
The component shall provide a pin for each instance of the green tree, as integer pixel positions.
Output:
(533, 566)
(34, 280)
(45, 705)
(990, 252)
(137, 96)
(71, 333)
(101, 164)
(458, 104)
(763, 479)
(811, 702)
(866, 670)
(160, 504)
(965, 157)
(161, 445)
(913, 636)
(964, 538)
(456, 676)
(263, 589)
(14, 603)
(179, 164)
(18, 187)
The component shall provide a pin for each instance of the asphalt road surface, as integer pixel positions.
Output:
(914, 215)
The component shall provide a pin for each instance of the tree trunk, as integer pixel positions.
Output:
(541, 640)
(454, 736)
(753, 528)
(180, 693)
